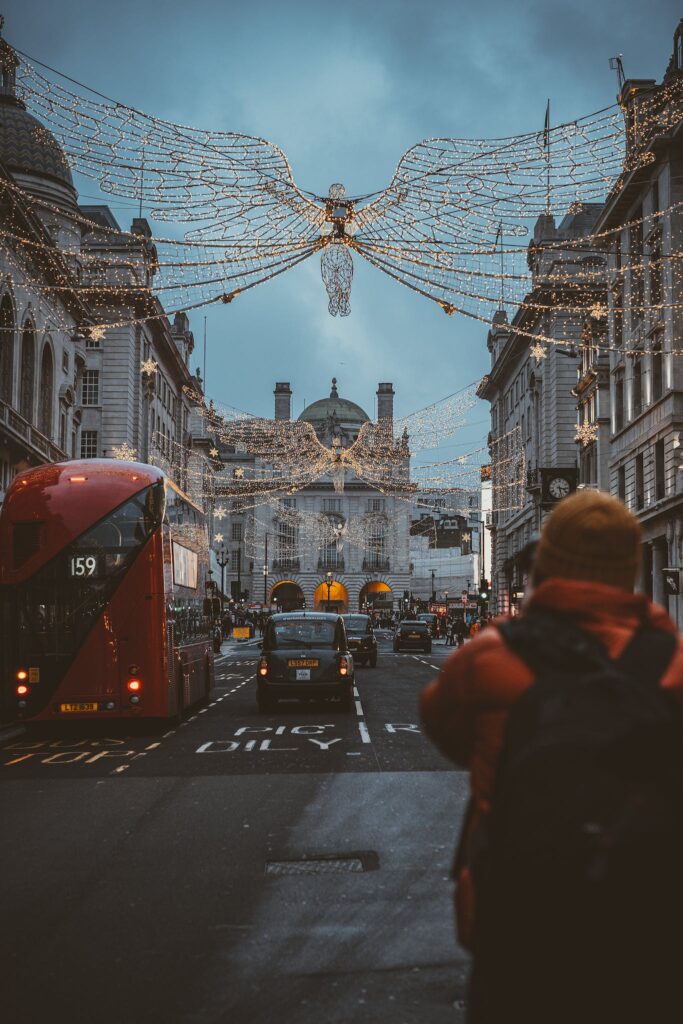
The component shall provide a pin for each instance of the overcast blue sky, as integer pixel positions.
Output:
(344, 89)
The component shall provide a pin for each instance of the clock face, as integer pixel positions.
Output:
(559, 487)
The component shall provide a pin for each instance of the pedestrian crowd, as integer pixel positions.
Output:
(569, 718)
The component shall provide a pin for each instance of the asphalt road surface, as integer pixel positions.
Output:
(238, 867)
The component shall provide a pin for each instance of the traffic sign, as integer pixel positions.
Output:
(672, 582)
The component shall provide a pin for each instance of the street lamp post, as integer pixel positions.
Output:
(222, 559)
(433, 586)
(328, 581)
(445, 597)
(265, 575)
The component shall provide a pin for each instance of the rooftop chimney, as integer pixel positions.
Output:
(283, 401)
(385, 402)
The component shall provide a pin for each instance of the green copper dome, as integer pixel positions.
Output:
(341, 409)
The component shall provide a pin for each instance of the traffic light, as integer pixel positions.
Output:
(484, 590)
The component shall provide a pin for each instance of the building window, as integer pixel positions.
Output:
(235, 560)
(287, 544)
(657, 375)
(375, 546)
(237, 531)
(619, 401)
(331, 505)
(88, 444)
(621, 483)
(637, 385)
(46, 391)
(92, 342)
(618, 318)
(377, 504)
(90, 387)
(65, 361)
(28, 366)
(640, 482)
(289, 502)
(660, 483)
(6, 348)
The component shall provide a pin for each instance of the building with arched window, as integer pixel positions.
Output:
(337, 544)
(41, 313)
(66, 392)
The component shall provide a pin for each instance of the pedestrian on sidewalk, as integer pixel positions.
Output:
(569, 871)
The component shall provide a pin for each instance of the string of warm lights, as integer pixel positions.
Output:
(442, 227)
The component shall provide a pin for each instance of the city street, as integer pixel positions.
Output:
(237, 867)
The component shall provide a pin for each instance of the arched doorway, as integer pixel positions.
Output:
(338, 598)
(288, 596)
(46, 391)
(375, 595)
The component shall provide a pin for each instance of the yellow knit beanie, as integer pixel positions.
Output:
(590, 536)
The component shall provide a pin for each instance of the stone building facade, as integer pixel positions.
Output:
(67, 391)
(278, 550)
(534, 399)
(643, 225)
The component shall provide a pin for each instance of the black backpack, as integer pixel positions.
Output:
(581, 862)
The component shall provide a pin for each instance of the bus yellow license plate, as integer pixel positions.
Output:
(78, 707)
(303, 663)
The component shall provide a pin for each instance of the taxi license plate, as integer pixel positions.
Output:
(78, 707)
(303, 673)
(303, 663)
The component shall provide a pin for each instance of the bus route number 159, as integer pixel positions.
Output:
(83, 566)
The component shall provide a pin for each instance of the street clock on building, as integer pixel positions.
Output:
(557, 484)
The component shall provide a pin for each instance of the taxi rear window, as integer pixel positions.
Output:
(317, 632)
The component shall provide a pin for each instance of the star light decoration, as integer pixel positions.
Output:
(586, 433)
(538, 352)
(97, 332)
(149, 367)
(450, 225)
(599, 311)
(124, 452)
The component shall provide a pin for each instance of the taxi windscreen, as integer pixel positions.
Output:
(356, 623)
(308, 632)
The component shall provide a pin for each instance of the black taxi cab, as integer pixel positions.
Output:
(362, 639)
(306, 656)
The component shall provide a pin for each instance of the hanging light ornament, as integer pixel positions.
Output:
(450, 225)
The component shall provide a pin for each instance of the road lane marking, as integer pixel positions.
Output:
(359, 708)
(153, 746)
(170, 732)
(364, 734)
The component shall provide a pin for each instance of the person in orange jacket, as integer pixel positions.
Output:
(585, 568)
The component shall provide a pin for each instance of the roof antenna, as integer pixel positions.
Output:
(616, 64)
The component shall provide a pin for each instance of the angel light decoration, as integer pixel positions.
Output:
(436, 228)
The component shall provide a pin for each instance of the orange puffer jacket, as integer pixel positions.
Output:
(465, 709)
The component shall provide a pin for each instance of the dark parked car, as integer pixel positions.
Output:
(412, 634)
(304, 655)
(362, 640)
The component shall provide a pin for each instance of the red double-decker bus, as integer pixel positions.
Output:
(103, 566)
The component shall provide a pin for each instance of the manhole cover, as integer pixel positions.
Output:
(326, 864)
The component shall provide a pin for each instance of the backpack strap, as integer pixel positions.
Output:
(548, 641)
(648, 655)
(545, 640)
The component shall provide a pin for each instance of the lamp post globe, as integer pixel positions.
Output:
(328, 580)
